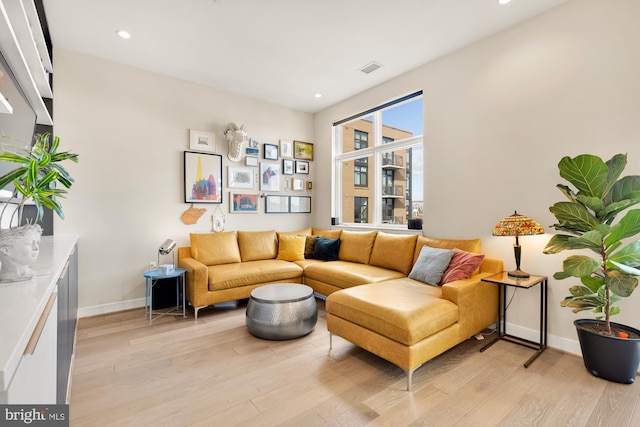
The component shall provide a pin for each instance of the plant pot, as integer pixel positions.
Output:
(19, 248)
(609, 357)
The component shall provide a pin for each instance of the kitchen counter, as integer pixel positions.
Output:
(22, 303)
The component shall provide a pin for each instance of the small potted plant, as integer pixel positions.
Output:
(35, 178)
(588, 221)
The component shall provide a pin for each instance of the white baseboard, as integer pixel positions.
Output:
(111, 307)
(560, 343)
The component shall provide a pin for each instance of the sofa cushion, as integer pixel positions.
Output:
(229, 276)
(356, 246)
(291, 247)
(327, 234)
(257, 245)
(404, 312)
(344, 274)
(309, 246)
(393, 251)
(215, 248)
(326, 249)
(431, 265)
(471, 245)
(462, 265)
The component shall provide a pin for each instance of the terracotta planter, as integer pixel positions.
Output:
(611, 358)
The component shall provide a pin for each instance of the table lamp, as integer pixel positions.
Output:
(165, 249)
(517, 225)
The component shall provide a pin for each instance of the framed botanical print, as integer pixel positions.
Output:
(202, 177)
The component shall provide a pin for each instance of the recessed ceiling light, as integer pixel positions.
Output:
(504, 1)
(124, 34)
(318, 95)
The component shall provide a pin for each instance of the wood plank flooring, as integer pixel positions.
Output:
(179, 372)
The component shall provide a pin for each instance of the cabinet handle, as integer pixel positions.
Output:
(37, 332)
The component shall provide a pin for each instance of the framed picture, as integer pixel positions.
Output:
(302, 167)
(254, 143)
(297, 184)
(251, 161)
(302, 150)
(202, 141)
(286, 149)
(276, 204)
(243, 202)
(269, 176)
(287, 167)
(309, 185)
(202, 177)
(300, 204)
(240, 177)
(252, 151)
(270, 152)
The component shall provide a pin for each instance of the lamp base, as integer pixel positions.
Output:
(519, 274)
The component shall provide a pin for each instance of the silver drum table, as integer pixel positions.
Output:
(281, 311)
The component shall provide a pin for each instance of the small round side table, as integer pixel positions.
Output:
(151, 278)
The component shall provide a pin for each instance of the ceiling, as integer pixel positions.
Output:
(280, 51)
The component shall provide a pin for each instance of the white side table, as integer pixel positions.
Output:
(151, 278)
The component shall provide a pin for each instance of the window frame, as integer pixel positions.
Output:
(377, 146)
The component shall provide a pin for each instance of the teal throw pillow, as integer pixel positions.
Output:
(431, 265)
(326, 249)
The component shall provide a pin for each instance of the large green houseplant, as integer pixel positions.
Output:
(588, 221)
(36, 175)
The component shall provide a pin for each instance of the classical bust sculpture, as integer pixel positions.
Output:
(19, 247)
(236, 136)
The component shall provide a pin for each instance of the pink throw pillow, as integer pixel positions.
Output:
(462, 266)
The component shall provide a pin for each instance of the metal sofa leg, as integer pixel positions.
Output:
(195, 311)
(409, 374)
(330, 340)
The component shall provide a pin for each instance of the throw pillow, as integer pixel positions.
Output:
(291, 247)
(462, 265)
(326, 249)
(309, 246)
(431, 265)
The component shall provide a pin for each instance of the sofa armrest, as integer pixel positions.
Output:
(491, 265)
(477, 302)
(197, 280)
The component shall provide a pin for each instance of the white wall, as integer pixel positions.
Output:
(498, 117)
(130, 128)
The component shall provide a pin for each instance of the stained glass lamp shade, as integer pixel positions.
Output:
(517, 225)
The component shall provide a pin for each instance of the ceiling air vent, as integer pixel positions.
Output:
(371, 67)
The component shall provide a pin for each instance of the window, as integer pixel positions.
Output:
(360, 210)
(378, 160)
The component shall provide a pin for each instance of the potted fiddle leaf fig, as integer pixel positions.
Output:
(596, 219)
(36, 175)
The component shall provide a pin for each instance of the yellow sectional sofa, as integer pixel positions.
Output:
(371, 300)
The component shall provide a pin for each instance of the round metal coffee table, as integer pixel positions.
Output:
(281, 311)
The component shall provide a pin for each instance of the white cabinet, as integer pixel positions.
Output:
(38, 363)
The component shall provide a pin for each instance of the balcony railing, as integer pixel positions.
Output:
(392, 160)
(392, 219)
(393, 191)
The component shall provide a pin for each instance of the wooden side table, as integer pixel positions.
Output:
(503, 280)
(151, 278)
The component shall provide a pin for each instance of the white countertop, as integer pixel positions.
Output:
(22, 303)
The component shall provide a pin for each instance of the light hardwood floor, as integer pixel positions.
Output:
(212, 372)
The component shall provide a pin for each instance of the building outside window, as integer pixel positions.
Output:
(378, 160)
